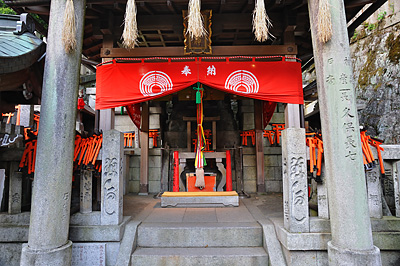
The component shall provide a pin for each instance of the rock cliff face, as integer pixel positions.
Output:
(375, 52)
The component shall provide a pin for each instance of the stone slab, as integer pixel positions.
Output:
(271, 243)
(200, 234)
(390, 152)
(10, 254)
(199, 256)
(98, 233)
(84, 254)
(387, 240)
(201, 202)
(128, 244)
(238, 214)
(200, 215)
(92, 218)
(14, 233)
(16, 219)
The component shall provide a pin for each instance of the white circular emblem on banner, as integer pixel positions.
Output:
(242, 81)
(155, 83)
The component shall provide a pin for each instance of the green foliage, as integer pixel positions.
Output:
(371, 26)
(381, 15)
(4, 9)
(40, 21)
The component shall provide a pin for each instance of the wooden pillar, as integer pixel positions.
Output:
(352, 242)
(292, 111)
(144, 150)
(189, 135)
(258, 122)
(48, 242)
(107, 116)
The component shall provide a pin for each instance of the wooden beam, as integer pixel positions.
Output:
(254, 50)
(144, 150)
(258, 122)
(171, 7)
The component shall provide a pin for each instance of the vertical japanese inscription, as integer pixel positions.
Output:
(111, 172)
(86, 187)
(343, 81)
(297, 177)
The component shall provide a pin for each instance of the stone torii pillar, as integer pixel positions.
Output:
(350, 223)
(48, 242)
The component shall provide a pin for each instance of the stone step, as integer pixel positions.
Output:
(249, 256)
(192, 234)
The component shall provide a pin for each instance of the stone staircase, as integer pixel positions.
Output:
(199, 243)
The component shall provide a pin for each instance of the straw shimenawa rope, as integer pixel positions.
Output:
(69, 28)
(261, 22)
(324, 23)
(130, 34)
(195, 27)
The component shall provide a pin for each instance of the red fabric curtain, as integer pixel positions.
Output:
(134, 113)
(123, 84)
(268, 112)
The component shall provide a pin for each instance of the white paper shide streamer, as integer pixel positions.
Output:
(261, 22)
(130, 34)
(69, 28)
(324, 23)
(195, 27)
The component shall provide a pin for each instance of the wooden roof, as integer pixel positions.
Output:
(160, 22)
(20, 71)
(17, 51)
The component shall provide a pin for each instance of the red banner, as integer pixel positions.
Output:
(122, 83)
(268, 111)
(134, 113)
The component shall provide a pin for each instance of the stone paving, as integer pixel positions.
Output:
(148, 209)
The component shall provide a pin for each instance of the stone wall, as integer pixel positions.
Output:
(375, 49)
(154, 171)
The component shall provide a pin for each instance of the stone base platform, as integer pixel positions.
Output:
(200, 199)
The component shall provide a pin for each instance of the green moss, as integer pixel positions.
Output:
(368, 70)
(393, 45)
(377, 86)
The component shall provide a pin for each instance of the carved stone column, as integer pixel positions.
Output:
(15, 190)
(86, 191)
(322, 197)
(374, 191)
(295, 193)
(111, 178)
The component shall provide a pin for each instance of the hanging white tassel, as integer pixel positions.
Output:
(261, 22)
(324, 24)
(195, 27)
(69, 28)
(130, 34)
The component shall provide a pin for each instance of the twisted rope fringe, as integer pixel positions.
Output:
(130, 34)
(69, 28)
(195, 27)
(261, 22)
(324, 23)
